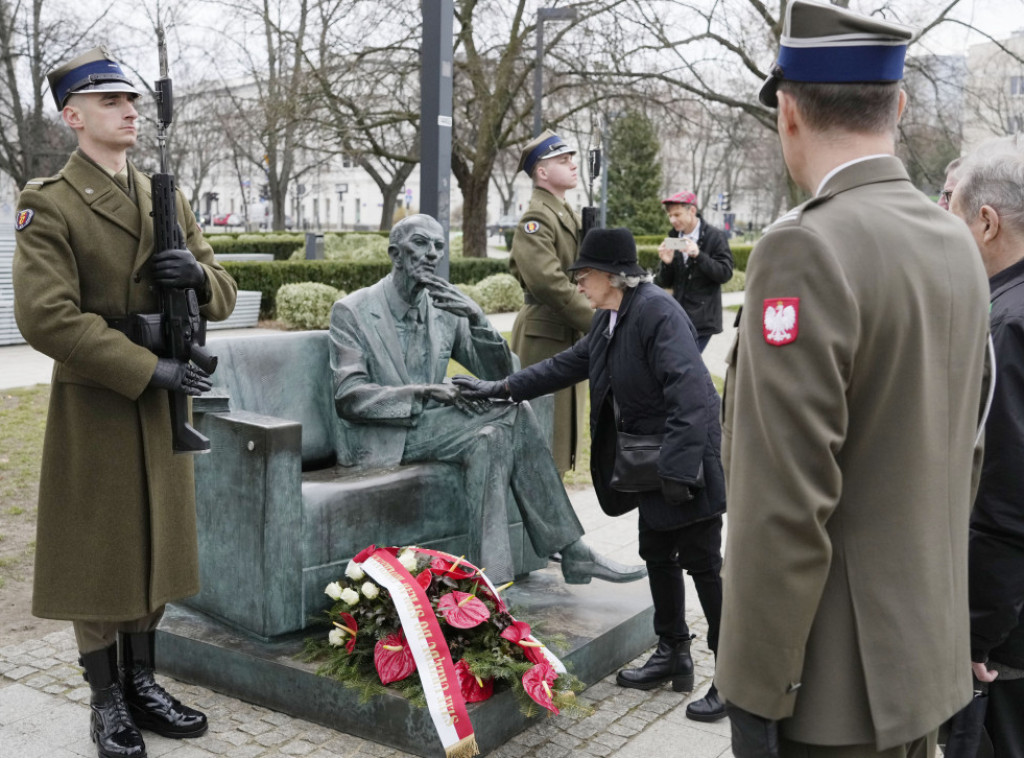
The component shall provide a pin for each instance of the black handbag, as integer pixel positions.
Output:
(636, 459)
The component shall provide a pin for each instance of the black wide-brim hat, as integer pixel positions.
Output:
(611, 250)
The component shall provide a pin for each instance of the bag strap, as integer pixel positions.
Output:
(618, 419)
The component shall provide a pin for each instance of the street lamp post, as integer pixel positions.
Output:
(544, 14)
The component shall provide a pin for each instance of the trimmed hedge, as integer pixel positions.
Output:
(307, 305)
(344, 275)
(279, 244)
(647, 256)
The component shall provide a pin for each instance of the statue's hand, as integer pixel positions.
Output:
(448, 394)
(448, 297)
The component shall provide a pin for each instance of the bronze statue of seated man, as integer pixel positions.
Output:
(390, 347)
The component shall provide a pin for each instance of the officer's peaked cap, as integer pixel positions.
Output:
(545, 145)
(93, 71)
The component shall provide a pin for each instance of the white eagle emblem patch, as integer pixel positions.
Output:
(781, 320)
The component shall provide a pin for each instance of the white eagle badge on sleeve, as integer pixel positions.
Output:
(781, 320)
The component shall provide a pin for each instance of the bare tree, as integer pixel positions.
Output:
(35, 37)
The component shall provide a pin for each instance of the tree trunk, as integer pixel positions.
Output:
(474, 213)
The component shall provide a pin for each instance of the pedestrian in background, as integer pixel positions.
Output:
(697, 268)
(116, 521)
(852, 403)
(554, 314)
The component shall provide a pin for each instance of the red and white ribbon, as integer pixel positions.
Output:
(430, 651)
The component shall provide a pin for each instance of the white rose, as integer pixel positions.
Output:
(370, 590)
(354, 572)
(336, 638)
(350, 596)
(333, 590)
(408, 559)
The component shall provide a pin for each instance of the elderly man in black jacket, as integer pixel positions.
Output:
(696, 267)
(990, 198)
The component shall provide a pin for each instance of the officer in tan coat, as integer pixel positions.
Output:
(851, 407)
(555, 314)
(116, 523)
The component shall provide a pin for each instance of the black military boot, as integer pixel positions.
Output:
(671, 660)
(150, 705)
(110, 725)
(711, 707)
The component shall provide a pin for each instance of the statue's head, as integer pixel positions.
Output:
(416, 246)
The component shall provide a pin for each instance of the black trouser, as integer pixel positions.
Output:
(696, 549)
(1004, 719)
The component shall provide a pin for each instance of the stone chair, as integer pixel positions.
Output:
(277, 518)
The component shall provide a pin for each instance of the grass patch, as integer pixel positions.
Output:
(15, 510)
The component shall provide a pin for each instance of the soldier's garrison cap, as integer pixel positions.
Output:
(545, 145)
(823, 43)
(92, 71)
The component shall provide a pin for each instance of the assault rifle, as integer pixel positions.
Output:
(591, 214)
(184, 330)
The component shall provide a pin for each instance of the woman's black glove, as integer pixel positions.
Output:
(177, 376)
(752, 735)
(474, 388)
(177, 268)
(676, 493)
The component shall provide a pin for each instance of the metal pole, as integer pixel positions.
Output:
(538, 73)
(606, 153)
(436, 115)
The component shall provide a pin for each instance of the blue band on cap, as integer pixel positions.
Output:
(537, 152)
(93, 72)
(857, 63)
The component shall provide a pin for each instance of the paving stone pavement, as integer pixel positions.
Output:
(44, 702)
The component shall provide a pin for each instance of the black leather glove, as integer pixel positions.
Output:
(177, 376)
(752, 735)
(474, 388)
(676, 492)
(177, 268)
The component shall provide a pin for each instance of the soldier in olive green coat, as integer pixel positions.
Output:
(851, 407)
(116, 523)
(555, 314)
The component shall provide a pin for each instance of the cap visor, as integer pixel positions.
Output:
(107, 87)
(768, 95)
(558, 151)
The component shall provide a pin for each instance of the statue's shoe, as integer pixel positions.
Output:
(580, 564)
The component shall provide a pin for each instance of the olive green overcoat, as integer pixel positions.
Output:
(116, 522)
(851, 402)
(545, 244)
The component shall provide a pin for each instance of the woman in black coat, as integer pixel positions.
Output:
(641, 354)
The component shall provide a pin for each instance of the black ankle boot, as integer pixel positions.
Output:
(150, 705)
(708, 708)
(110, 725)
(671, 660)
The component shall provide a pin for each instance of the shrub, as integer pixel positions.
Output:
(500, 293)
(471, 291)
(738, 282)
(280, 245)
(306, 305)
(353, 247)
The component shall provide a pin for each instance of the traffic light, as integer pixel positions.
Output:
(725, 201)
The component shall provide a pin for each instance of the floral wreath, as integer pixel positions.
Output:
(390, 612)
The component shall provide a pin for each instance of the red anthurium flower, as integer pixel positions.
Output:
(519, 633)
(393, 658)
(424, 578)
(462, 610)
(349, 626)
(365, 553)
(537, 683)
(474, 689)
(457, 569)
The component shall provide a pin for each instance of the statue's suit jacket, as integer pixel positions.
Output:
(849, 455)
(375, 396)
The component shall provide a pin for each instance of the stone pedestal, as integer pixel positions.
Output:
(604, 626)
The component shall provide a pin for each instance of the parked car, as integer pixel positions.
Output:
(228, 219)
